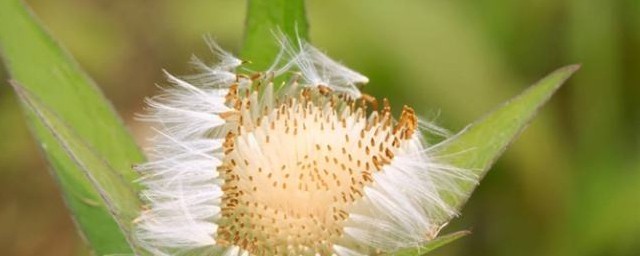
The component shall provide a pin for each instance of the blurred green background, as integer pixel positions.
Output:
(569, 186)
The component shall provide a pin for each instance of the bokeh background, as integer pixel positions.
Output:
(570, 185)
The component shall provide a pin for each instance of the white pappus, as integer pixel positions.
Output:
(240, 166)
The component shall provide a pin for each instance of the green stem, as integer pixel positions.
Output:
(264, 18)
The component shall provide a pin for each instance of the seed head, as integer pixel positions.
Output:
(241, 166)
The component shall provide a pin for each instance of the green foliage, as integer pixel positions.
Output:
(264, 19)
(117, 193)
(433, 244)
(82, 137)
(478, 146)
(92, 153)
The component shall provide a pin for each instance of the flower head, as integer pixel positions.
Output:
(241, 166)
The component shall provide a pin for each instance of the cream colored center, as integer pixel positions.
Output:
(289, 182)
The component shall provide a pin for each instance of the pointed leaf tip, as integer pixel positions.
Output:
(478, 146)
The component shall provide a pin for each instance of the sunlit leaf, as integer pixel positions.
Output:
(478, 146)
(41, 67)
(117, 193)
(264, 18)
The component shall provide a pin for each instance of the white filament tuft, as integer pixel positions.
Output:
(319, 70)
(405, 205)
(401, 204)
(181, 179)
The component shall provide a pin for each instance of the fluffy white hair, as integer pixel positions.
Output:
(403, 207)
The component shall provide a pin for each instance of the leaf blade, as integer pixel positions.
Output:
(50, 74)
(264, 17)
(480, 144)
(120, 198)
(433, 244)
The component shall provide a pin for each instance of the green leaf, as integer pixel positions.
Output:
(264, 17)
(478, 146)
(433, 244)
(118, 195)
(36, 62)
